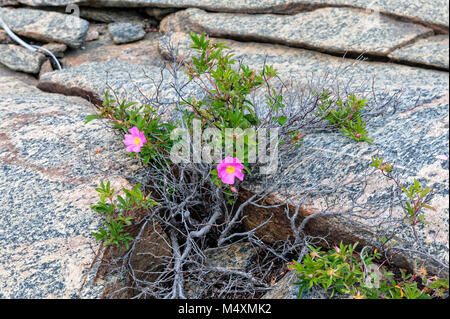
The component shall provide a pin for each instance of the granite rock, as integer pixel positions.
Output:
(143, 52)
(434, 13)
(159, 13)
(92, 35)
(4, 38)
(57, 49)
(45, 68)
(433, 51)
(336, 30)
(238, 257)
(126, 80)
(49, 169)
(107, 15)
(9, 2)
(46, 25)
(19, 76)
(301, 66)
(20, 59)
(125, 32)
(285, 289)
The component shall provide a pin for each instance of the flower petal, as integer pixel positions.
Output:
(134, 131)
(239, 175)
(228, 179)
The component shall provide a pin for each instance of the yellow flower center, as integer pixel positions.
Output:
(230, 169)
(137, 141)
(330, 272)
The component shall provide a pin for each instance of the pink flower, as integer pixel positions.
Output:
(229, 168)
(135, 140)
(233, 189)
(358, 135)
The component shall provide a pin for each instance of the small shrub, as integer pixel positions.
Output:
(344, 271)
(345, 115)
(118, 213)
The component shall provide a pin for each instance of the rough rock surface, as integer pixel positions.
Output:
(237, 257)
(4, 38)
(9, 2)
(57, 49)
(128, 81)
(125, 32)
(433, 51)
(49, 170)
(144, 52)
(20, 59)
(109, 15)
(46, 26)
(159, 13)
(326, 29)
(434, 13)
(301, 65)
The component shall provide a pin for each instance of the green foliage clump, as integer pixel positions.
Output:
(344, 271)
(418, 197)
(118, 213)
(345, 115)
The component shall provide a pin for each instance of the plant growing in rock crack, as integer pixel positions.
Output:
(118, 213)
(418, 197)
(200, 205)
(344, 271)
(346, 115)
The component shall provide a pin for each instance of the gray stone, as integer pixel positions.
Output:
(109, 15)
(237, 256)
(159, 13)
(8, 2)
(22, 77)
(124, 32)
(336, 30)
(20, 59)
(433, 13)
(4, 38)
(144, 52)
(49, 169)
(234, 257)
(128, 81)
(46, 26)
(57, 49)
(432, 51)
(300, 65)
(45, 68)
(286, 289)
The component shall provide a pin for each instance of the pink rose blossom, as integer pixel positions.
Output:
(233, 189)
(358, 135)
(135, 140)
(230, 168)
